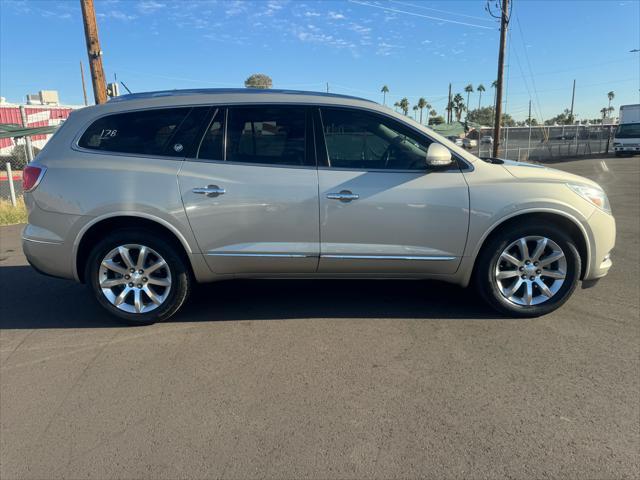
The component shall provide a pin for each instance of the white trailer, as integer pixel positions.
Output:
(626, 140)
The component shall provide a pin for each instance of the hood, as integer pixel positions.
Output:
(532, 172)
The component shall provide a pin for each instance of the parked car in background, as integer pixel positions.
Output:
(486, 139)
(144, 195)
(455, 140)
(626, 140)
(469, 143)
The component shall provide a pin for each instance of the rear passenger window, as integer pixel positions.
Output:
(267, 135)
(147, 132)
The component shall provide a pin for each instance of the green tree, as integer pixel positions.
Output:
(458, 106)
(483, 116)
(422, 103)
(603, 111)
(396, 106)
(564, 118)
(611, 95)
(415, 112)
(436, 119)
(404, 105)
(384, 91)
(480, 89)
(469, 90)
(258, 80)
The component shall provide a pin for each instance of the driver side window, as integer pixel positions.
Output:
(362, 140)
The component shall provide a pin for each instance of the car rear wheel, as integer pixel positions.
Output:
(528, 271)
(137, 276)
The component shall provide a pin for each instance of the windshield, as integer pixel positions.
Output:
(628, 130)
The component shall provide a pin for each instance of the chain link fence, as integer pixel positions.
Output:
(542, 144)
(16, 158)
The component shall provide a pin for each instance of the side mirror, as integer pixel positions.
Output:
(438, 156)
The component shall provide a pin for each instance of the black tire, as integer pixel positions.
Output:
(180, 275)
(484, 272)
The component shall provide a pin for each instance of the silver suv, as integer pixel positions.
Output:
(145, 195)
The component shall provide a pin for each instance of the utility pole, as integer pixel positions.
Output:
(449, 106)
(94, 52)
(504, 22)
(84, 87)
(327, 87)
(573, 97)
(529, 148)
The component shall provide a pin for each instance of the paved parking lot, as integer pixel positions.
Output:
(324, 379)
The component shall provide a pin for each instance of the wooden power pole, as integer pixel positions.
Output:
(449, 117)
(94, 52)
(504, 22)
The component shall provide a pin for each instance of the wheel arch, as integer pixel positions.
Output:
(94, 230)
(567, 222)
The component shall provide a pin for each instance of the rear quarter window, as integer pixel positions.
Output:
(147, 132)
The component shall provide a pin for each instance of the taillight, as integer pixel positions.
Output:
(31, 176)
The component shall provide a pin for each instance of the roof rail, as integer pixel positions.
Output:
(222, 91)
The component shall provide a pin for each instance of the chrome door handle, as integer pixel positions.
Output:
(209, 190)
(343, 196)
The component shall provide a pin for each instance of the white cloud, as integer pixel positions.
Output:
(149, 6)
(336, 16)
(116, 15)
(311, 14)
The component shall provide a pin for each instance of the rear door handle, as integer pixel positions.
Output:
(343, 196)
(209, 190)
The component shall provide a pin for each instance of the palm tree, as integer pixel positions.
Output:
(458, 106)
(396, 106)
(449, 109)
(480, 89)
(604, 111)
(432, 113)
(415, 112)
(404, 105)
(611, 95)
(469, 90)
(610, 110)
(384, 91)
(428, 107)
(422, 103)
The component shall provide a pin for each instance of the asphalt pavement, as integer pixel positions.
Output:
(326, 379)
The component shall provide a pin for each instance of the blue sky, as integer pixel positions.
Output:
(416, 47)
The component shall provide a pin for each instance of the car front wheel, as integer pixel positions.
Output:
(528, 271)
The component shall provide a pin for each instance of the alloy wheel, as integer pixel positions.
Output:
(531, 270)
(134, 278)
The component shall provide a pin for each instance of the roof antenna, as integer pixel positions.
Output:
(126, 88)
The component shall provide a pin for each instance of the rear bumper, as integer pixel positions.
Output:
(47, 257)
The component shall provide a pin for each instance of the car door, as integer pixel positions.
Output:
(381, 209)
(251, 192)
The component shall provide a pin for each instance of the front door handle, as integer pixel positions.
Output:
(343, 196)
(209, 190)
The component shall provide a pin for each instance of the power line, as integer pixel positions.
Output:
(372, 5)
(441, 11)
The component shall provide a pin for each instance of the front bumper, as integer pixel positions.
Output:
(603, 239)
(631, 148)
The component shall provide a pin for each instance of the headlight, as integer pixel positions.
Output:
(594, 195)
